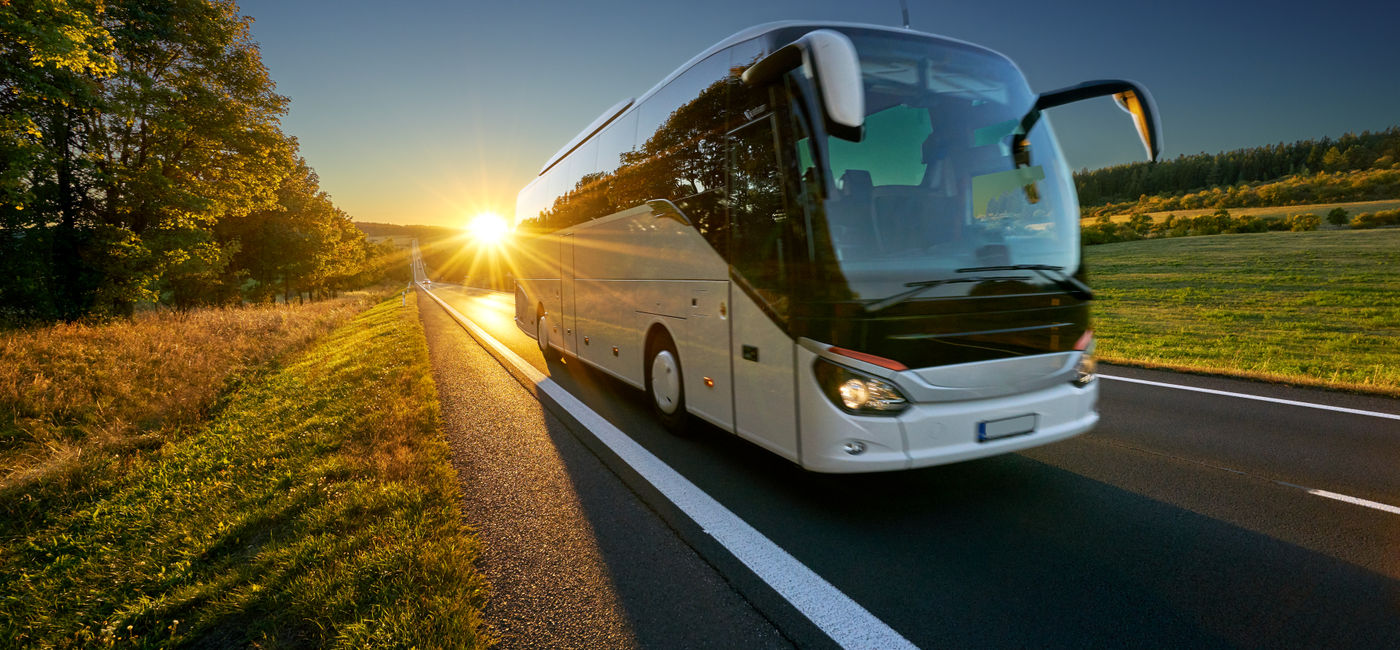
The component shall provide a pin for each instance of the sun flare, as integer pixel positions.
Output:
(488, 228)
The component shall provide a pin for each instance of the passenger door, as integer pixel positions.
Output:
(765, 400)
(568, 320)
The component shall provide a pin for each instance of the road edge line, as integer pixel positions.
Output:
(1356, 501)
(1276, 400)
(833, 612)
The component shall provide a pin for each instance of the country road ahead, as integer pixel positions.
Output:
(1185, 518)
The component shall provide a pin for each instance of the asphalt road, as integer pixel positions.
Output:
(574, 559)
(1185, 518)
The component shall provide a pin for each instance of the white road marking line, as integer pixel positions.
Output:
(1325, 407)
(1355, 501)
(844, 620)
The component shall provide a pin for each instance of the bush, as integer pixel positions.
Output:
(1376, 219)
(1338, 217)
(1212, 224)
(1140, 225)
(1249, 224)
(1099, 234)
(1304, 222)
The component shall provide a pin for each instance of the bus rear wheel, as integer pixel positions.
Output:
(666, 388)
(542, 337)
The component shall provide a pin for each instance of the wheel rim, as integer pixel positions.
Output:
(665, 381)
(542, 334)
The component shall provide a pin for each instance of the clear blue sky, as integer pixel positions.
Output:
(429, 111)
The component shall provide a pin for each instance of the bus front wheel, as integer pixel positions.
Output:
(666, 388)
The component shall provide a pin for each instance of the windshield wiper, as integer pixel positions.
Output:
(1064, 280)
(916, 288)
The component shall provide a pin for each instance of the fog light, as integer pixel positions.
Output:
(854, 447)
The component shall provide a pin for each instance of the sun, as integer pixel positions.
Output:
(488, 228)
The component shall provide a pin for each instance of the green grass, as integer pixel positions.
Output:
(1316, 308)
(316, 507)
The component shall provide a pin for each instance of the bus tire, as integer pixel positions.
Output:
(550, 354)
(665, 385)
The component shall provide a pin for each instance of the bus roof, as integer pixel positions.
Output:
(738, 37)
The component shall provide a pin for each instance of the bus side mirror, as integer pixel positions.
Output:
(1144, 119)
(829, 58)
(1129, 95)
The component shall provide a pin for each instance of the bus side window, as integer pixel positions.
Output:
(758, 221)
(686, 151)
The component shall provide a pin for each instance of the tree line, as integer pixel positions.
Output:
(142, 161)
(1188, 174)
(1322, 187)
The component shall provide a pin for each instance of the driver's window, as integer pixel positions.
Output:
(760, 247)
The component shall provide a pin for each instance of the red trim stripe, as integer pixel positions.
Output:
(1085, 340)
(868, 358)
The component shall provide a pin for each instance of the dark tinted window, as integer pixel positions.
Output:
(581, 194)
(656, 115)
(615, 140)
(763, 235)
(670, 147)
(680, 152)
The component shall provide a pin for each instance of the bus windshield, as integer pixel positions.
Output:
(933, 186)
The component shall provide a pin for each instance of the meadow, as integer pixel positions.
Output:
(68, 391)
(1315, 308)
(233, 479)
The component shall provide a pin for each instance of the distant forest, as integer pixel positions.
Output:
(424, 234)
(1203, 171)
(142, 161)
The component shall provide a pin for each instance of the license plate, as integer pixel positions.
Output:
(1006, 427)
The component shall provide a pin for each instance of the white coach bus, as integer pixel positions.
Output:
(855, 246)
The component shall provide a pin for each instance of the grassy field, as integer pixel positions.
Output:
(312, 505)
(71, 391)
(1318, 308)
(1281, 212)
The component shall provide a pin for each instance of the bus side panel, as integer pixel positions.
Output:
(636, 270)
(524, 309)
(606, 321)
(704, 349)
(537, 271)
(637, 245)
(765, 410)
(605, 294)
(565, 324)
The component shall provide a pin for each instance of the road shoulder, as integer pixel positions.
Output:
(574, 558)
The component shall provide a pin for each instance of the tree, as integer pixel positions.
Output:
(1333, 160)
(1338, 217)
(52, 56)
(137, 140)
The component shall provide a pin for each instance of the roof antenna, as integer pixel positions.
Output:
(904, 9)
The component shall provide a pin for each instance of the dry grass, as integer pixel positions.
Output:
(1273, 212)
(315, 507)
(69, 390)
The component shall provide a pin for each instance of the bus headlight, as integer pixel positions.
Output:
(858, 393)
(1085, 370)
